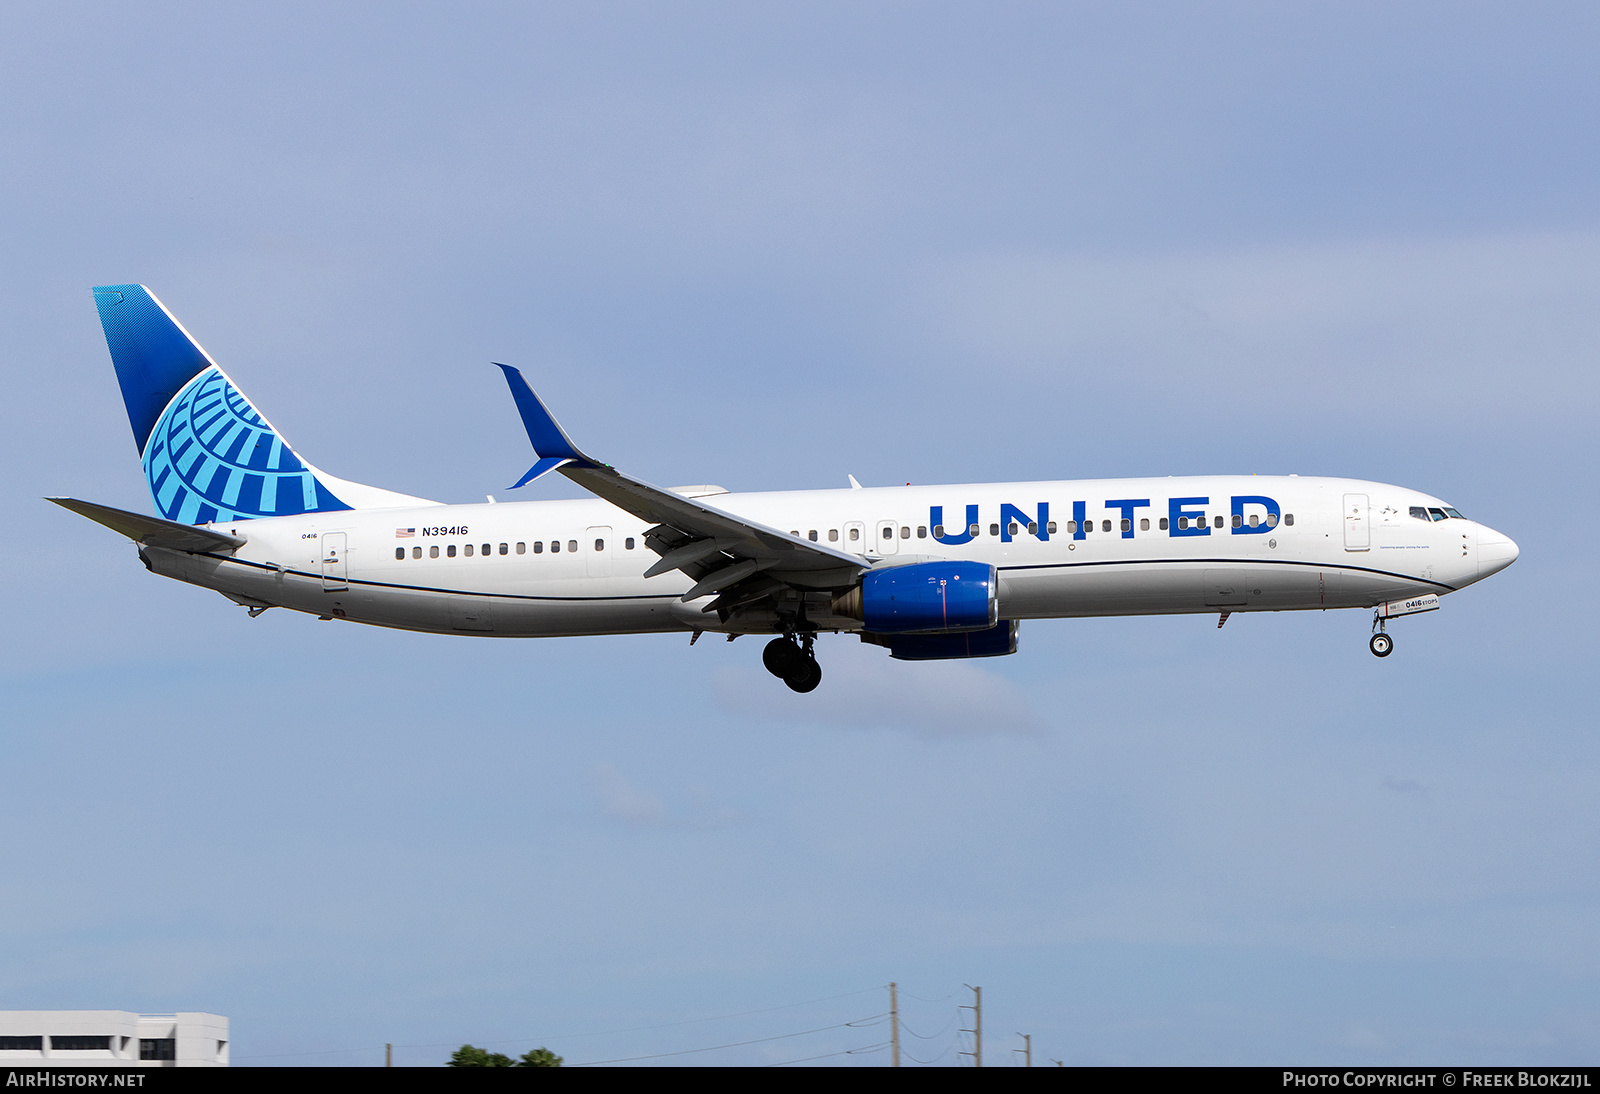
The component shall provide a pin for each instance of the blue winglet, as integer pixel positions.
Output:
(550, 443)
(543, 467)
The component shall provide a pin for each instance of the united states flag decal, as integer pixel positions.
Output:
(404, 533)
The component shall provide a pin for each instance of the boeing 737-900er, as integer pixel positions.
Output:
(930, 572)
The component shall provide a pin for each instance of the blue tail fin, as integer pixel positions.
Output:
(208, 453)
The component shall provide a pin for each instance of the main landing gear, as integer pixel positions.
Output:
(791, 660)
(1381, 645)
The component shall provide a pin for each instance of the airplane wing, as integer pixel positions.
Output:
(741, 560)
(153, 531)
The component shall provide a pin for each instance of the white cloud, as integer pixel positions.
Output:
(624, 801)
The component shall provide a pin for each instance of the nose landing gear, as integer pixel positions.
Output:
(791, 660)
(1381, 645)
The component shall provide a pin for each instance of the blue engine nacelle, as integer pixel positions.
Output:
(930, 598)
(997, 641)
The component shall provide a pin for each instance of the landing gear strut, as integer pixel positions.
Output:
(1381, 645)
(791, 660)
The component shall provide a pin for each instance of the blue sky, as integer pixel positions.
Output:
(768, 246)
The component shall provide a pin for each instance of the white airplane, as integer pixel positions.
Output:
(930, 572)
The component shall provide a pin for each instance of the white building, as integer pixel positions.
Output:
(112, 1038)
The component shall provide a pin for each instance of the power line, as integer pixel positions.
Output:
(879, 1047)
(569, 1036)
(737, 1044)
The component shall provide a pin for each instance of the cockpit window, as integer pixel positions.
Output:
(1449, 512)
(1420, 512)
(1436, 514)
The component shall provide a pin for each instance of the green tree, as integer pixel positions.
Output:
(473, 1056)
(539, 1057)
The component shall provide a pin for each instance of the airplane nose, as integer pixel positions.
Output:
(1495, 552)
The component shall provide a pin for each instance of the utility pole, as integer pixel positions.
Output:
(388, 1055)
(977, 1025)
(1027, 1049)
(894, 1021)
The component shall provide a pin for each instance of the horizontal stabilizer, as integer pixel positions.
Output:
(153, 531)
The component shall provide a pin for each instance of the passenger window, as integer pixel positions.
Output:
(1127, 525)
(1272, 520)
(922, 531)
(1238, 521)
(555, 546)
(469, 550)
(572, 545)
(1072, 526)
(399, 552)
(1144, 524)
(855, 534)
(1255, 521)
(1288, 519)
(1105, 526)
(450, 550)
(1183, 524)
(905, 533)
(503, 549)
(433, 552)
(994, 529)
(1050, 528)
(972, 530)
(599, 546)
(627, 544)
(833, 535)
(1219, 520)
(416, 552)
(1163, 524)
(1033, 527)
(486, 550)
(812, 535)
(1011, 531)
(938, 531)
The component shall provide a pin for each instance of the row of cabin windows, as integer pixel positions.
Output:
(855, 533)
(1014, 528)
(487, 549)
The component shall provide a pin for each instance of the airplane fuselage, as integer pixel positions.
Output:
(1216, 544)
